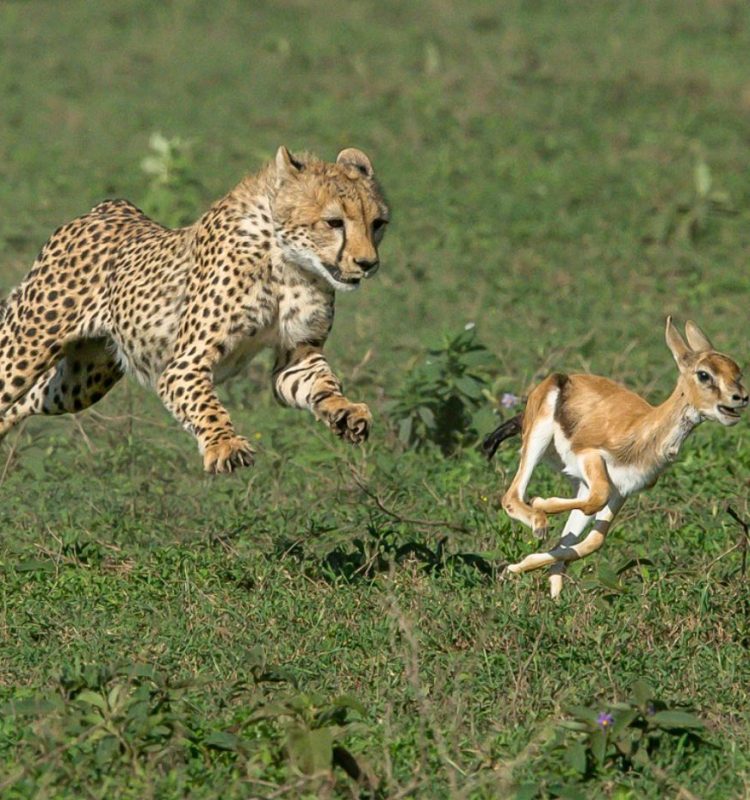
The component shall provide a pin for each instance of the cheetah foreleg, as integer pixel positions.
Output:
(187, 390)
(303, 379)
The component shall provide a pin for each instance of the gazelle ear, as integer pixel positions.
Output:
(355, 158)
(286, 165)
(676, 343)
(696, 338)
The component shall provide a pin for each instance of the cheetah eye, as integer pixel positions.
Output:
(377, 224)
(703, 376)
(336, 222)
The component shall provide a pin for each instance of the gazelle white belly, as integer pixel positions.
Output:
(565, 454)
(626, 478)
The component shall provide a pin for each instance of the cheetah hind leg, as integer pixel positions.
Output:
(85, 373)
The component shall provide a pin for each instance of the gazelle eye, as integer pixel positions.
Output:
(377, 224)
(703, 376)
(335, 223)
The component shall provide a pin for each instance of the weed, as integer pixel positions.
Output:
(438, 398)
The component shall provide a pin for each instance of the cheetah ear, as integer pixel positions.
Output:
(355, 158)
(287, 165)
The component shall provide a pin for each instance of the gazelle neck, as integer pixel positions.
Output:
(669, 425)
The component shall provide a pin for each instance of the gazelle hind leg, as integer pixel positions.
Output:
(574, 527)
(565, 553)
(536, 440)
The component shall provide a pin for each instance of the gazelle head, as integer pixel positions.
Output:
(712, 382)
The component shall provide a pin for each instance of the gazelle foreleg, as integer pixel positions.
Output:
(594, 471)
(565, 552)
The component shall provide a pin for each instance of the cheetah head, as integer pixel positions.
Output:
(329, 218)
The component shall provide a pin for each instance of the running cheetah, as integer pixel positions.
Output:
(114, 292)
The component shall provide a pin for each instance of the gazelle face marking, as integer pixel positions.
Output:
(718, 392)
(712, 381)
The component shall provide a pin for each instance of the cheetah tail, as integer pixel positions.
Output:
(511, 427)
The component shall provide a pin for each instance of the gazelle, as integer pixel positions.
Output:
(610, 442)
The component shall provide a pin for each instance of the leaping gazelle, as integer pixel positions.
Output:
(611, 442)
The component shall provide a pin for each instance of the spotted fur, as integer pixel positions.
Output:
(114, 292)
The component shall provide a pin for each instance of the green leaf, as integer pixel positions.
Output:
(575, 756)
(526, 791)
(642, 693)
(478, 358)
(426, 416)
(92, 699)
(598, 744)
(351, 702)
(404, 430)
(470, 387)
(608, 577)
(106, 750)
(575, 725)
(675, 719)
(702, 178)
(622, 720)
(585, 714)
(311, 751)
(222, 740)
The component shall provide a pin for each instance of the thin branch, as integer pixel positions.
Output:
(746, 536)
(395, 515)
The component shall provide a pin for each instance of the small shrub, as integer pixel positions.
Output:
(688, 217)
(174, 193)
(437, 402)
(615, 738)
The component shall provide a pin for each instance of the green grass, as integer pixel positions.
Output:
(163, 634)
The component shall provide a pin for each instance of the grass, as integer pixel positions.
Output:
(163, 634)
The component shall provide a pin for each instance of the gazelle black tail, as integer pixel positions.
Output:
(511, 427)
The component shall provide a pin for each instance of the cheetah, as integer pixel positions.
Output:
(114, 292)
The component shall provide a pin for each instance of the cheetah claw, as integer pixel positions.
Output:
(228, 455)
(352, 423)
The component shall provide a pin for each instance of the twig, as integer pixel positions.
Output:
(663, 776)
(12, 452)
(393, 514)
(746, 531)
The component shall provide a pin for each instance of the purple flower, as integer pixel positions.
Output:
(604, 720)
(508, 400)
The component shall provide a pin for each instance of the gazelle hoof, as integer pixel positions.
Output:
(555, 586)
(541, 533)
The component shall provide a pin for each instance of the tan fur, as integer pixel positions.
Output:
(613, 443)
(114, 292)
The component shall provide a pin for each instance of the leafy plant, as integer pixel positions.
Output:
(623, 735)
(440, 396)
(687, 218)
(174, 192)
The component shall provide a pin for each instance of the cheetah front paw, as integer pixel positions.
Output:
(352, 422)
(228, 455)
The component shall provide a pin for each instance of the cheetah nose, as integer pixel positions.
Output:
(367, 264)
